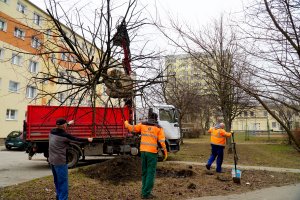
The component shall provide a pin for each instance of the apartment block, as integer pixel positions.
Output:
(25, 32)
(183, 68)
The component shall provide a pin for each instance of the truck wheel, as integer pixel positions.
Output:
(73, 157)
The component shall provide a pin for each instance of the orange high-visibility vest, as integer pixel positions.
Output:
(150, 136)
(218, 136)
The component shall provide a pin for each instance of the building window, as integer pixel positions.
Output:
(72, 100)
(104, 91)
(273, 124)
(13, 86)
(72, 59)
(30, 92)
(61, 97)
(63, 56)
(1, 53)
(252, 114)
(53, 57)
(48, 33)
(19, 33)
(88, 102)
(45, 79)
(35, 42)
(3, 25)
(61, 77)
(33, 67)
(245, 114)
(11, 114)
(72, 79)
(37, 19)
(16, 59)
(265, 113)
(21, 7)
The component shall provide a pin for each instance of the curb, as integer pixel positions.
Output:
(244, 167)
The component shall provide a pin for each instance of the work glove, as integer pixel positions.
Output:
(165, 155)
(126, 124)
(70, 122)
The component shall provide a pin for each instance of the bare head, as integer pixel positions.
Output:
(222, 125)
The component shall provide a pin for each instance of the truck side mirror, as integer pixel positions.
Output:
(176, 119)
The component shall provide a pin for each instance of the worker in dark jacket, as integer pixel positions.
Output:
(152, 135)
(59, 141)
(218, 142)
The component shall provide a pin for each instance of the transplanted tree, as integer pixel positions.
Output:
(89, 56)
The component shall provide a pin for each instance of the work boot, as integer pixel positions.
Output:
(150, 196)
(207, 167)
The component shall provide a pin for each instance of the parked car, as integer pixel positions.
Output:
(15, 140)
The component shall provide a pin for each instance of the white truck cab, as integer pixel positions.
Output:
(168, 120)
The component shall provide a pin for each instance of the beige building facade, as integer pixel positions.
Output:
(256, 119)
(25, 32)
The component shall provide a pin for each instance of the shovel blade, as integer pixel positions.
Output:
(236, 180)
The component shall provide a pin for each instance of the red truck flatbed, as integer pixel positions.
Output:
(108, 122)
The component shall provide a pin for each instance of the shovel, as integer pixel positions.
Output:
(236, 174)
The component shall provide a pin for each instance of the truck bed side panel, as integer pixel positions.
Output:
(108, 121)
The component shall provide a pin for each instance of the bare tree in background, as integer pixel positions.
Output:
(271, 30)
(218, 55)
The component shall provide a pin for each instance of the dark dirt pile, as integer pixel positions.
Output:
(178, 181)
(120, 169)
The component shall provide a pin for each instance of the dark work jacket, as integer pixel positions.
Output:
(59, 141)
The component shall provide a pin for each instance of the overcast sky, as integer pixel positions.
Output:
(193, 12)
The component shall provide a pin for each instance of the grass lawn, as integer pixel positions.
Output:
(260, 151)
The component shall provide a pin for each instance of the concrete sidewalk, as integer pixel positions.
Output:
(289, 192)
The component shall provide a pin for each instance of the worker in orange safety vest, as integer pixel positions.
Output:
(218, 142)
(151, 136)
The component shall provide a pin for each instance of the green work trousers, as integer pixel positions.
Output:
(149, 161)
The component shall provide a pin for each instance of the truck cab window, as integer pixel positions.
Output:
(167, 115)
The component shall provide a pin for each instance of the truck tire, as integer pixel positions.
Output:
(72, 157)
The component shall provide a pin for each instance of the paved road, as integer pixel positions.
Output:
(16, 168)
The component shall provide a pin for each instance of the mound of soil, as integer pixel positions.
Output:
(120, 169)
(178, 181)
(174, 173)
